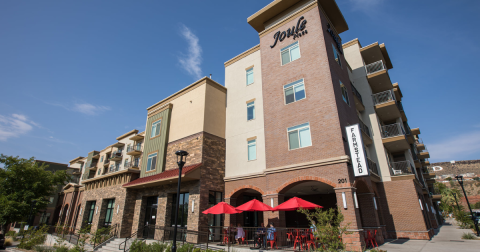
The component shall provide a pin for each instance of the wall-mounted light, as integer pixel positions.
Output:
(420, 202)
(80, 211)
(426, 206)
(271, 202)
(355, 199)
(118, 206)
(344, 200)
(375, 203)
(193, 206)
(96, 210)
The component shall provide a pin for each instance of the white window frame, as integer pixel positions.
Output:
(246, 76)
(252, 142)
(155, 124)
(297, 43)
(307, 125)
(293, 85)
(345, 99)
(149, 160)
(252, 104)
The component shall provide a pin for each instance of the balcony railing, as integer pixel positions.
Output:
(114, 168)
(400, 106)
(134, 148)
(357, 94)
(401, 168)
(116, 154)
(372, 166)
(393, 130)
(132, 165)
(408, 131)
(375, 67)
(93, 164)
(414, 152)
(383, 97)
(419, 141)
(364, 128)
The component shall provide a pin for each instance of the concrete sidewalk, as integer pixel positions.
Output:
(447, 238)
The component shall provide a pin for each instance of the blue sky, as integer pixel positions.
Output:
(74, 75)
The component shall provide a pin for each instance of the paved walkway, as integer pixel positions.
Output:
(447, 238)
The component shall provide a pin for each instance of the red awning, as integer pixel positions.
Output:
(254, 205)
(164, 175)
(221, 208)
(295, 204)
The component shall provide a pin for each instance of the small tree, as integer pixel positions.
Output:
(21, 182)
(329, 230)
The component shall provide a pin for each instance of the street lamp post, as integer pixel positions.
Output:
(181, 159)
(460, 181)
(455, 196)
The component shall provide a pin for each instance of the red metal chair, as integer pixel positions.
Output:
(311, 241)
(243, 239)
(298, 239)
(371, 239)
(274, 241)
(225, 236)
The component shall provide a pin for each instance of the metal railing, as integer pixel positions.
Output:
(419, 141)
(364, 128)
(100, 238)
(134, 148)
(400, 106)
(92, 165)
(107, 160)
(116, 154)
(392, 130)
(356, 93)
(375, 67)
(383, 97)
(74, 179)
(408, 131)
(67, 233)
(401, 168)
(131, 164)
(114, 168)
(125, 245)
(372, 166)
(414, 152)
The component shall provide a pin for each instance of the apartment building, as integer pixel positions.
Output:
(132, 183)
(290, 100)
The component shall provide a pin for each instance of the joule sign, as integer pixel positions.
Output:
(294, 32)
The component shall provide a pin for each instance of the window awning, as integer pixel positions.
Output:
(190, 172)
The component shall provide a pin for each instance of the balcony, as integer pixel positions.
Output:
(93, 166)
(416, 131)
(386, 106)
(134, 150)
(106, 162)
(397, 91)
(116, 156)
(372, 166)
(424, 154)
(425, 162)
(112, 168)
(378, 77)
(393, 137)
(118, 144)
(137, 138)
(414, 152)
(402, 168)
(419, 144)
(358, 99)
(132, 165)
(366, 135)
(402, 112)
(408, 131)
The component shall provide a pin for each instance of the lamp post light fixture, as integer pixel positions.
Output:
(460, 181)
(181, 160)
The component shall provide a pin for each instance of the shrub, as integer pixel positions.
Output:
(44, 249)
(463, 219)
(33, 237)
(11, 233)
(61, 248)
(8, 242)
(469, 236)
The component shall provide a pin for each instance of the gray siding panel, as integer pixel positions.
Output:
(156, 144)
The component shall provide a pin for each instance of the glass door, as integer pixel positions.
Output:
(91, 211)
(182, 218)
(215, 221)
(109, 212)
(150, 217)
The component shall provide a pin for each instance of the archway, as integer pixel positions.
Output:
(64, 214)
(246, 219)
(76, 217)
(314, 191)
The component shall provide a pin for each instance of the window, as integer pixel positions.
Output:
(91, 211)
(344, 93)
(336, 55)
(249, 76)
(81, 167)
(155, 128)
(101, 159)
(182, 209)
(99, 170)
(117, 166)
(151, 162)
(252, 149)
(299, 136)
(109, 212)
(137, 160)
(290, 53)
(215, 220)
(250, 110)
(294, 91)
(51, 199)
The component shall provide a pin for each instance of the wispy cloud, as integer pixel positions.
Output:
(366, 6)
(14, 126)
(456, 148)
(192, 60)
(84, 108)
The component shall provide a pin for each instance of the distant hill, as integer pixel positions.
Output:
(461, 167)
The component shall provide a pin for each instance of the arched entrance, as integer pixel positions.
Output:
(246, 219)
(64, 214)
(317, 192)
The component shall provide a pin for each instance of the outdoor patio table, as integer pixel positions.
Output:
(259, 237)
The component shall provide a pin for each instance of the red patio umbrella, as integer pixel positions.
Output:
(221, 208)
(254, 205)
(295, 204)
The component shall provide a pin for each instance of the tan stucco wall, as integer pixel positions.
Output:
(376, 150)
(215, 111)
(238, 129)
(188, 114)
